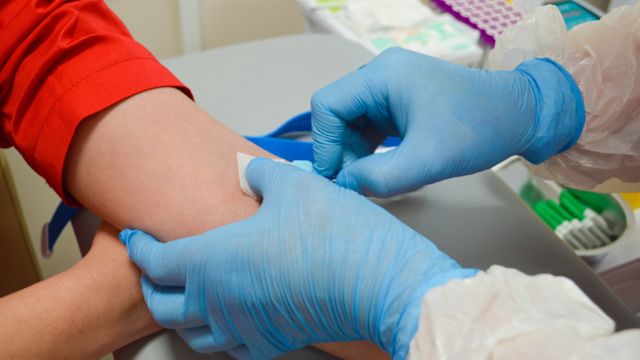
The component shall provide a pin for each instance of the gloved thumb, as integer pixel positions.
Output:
(163, 263)
(381, 174)
(265, 176)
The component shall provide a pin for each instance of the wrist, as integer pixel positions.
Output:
(559, 109)
(402, 318)
(117, 281)
(118, 295)
(98, 300)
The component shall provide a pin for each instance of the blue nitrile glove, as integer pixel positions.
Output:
(316, 263)
(453, 120)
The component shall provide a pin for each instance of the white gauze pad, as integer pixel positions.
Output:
(244, 160)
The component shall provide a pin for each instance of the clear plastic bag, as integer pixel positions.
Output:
(505, 314)
(604, 59)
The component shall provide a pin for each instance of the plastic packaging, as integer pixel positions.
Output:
(376, 15)
(490, 17)
(505, 314)
(381, 24)
(604, 59)
(442, 37)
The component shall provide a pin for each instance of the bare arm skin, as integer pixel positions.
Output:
(83, 313)
(156, 162)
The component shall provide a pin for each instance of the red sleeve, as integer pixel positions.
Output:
(61, 61)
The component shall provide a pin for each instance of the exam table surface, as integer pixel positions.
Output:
(478, 220)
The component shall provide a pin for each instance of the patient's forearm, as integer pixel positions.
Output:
(155, 162)
(83, 313)
(159, 163)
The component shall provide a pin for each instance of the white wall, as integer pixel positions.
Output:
(156, 23)
(232, 21)
(38, 202)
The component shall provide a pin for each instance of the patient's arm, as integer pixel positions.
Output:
(83, 313)
(156, 162)
(171, 172)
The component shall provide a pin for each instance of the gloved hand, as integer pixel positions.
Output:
(453, 120)
(316, 263)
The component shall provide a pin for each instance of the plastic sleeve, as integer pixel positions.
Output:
(505, 314)
(604, 59)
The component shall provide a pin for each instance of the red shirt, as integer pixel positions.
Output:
(61, 61)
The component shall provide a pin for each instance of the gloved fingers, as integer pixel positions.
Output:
(382, 174)
(204, 339)
(266, 176)
(163, 263)
(361, 142)
(332, 108)
(167, 305)
(262, 176)
(328, 133)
